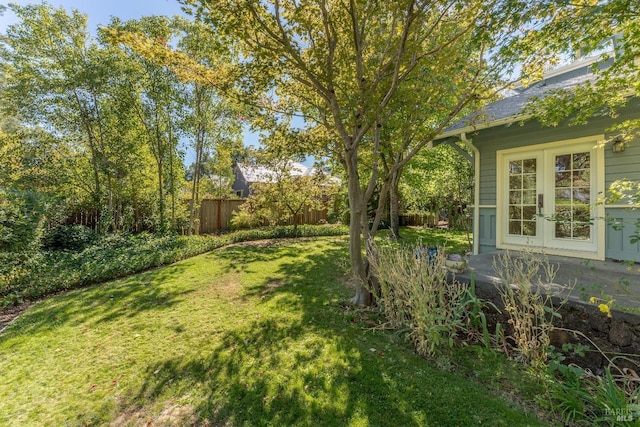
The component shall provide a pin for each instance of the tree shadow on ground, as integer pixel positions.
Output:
(292, 355)
(308, 363)
(104, 303)
(294, 368)
(262, 376)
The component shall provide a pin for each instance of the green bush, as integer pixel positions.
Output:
(242, 220)
(69, 237)
(21, 221)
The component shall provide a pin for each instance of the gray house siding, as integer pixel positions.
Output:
(487, 234)
(489, 141)
(240, 185)
(621, 225)
(623, 165)
(617, 166)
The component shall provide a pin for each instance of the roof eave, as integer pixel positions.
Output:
(480, 126)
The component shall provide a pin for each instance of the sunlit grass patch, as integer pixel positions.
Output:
(245, 335)
(453, 241)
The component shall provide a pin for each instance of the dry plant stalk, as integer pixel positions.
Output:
(527, 294)
(415, 294)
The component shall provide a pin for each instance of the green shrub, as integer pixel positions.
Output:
(242, 220)
(18, 272)
(69, 237)
(21, 221)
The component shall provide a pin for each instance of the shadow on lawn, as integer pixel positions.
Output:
(258, 376)
(104, 303)
(300, 361)
(304, 364)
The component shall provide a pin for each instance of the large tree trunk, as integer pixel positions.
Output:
(357, 217)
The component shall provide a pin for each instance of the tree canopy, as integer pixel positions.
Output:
(579, 28)
(100, 128)
(362, 68)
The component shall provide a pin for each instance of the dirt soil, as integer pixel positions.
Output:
(9, 314)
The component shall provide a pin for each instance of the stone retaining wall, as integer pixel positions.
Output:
(618, 335)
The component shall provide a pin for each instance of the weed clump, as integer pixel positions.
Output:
(416, 296)
(531, 302)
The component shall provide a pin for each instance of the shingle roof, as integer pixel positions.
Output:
(511, 108)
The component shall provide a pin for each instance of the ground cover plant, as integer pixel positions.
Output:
(67, 262)
(70, 262)
(251, 334)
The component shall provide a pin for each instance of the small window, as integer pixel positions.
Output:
(239, 193)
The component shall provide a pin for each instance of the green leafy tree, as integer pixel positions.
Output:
(439, 180)
(581, 28)
(160, 104)
(285, 190)
(68, 93)
(346, 66)
(211, 121)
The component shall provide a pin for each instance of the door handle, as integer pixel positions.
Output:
(540, 203)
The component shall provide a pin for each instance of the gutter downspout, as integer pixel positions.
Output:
(476, 192)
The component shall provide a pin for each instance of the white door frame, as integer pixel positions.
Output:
(544, 240)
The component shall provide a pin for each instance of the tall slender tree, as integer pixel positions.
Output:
(212, 121)
(159, 109)
(63, 82)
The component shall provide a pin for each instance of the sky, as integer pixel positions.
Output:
(99, 12)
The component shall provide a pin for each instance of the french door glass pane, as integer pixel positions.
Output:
(522, 197)
(572, 196)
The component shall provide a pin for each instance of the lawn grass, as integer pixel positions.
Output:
(32, 275)
(253, 334)
(453, 241)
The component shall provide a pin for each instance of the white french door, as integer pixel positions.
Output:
(524, 188)
(547, 198)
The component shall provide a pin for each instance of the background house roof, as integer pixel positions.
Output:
(256, 173)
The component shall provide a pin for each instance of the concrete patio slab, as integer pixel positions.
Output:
(579, 278)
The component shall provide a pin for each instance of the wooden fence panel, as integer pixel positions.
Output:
(310, 216)
(216, 214)
(213, 215)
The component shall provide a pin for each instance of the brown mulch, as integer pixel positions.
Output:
(9, 314)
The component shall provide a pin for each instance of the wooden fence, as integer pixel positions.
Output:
(216, 214)
(213, 215)
(423, 220)
(310, 216)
